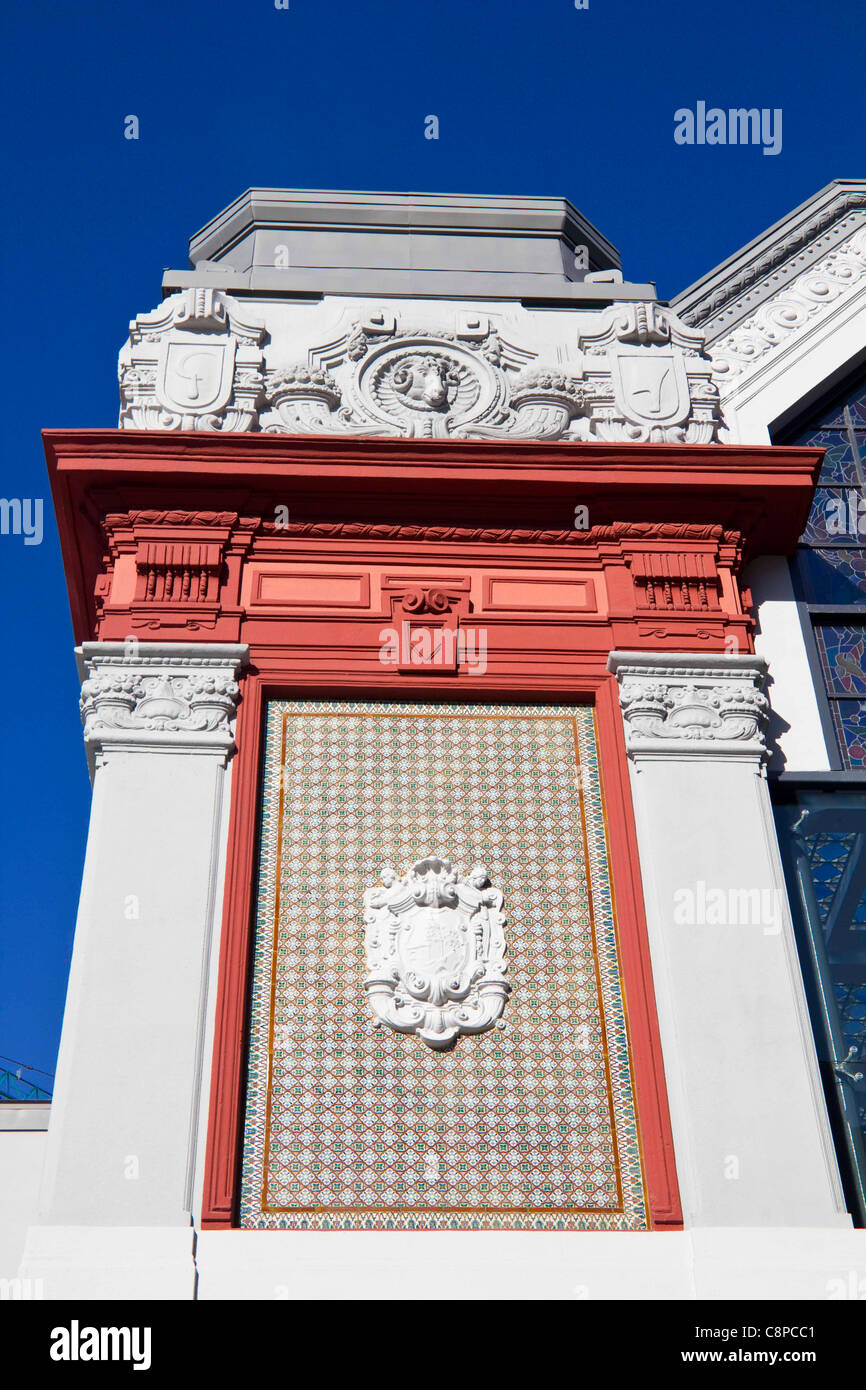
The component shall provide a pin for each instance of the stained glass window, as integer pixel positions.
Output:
(822, 834)
(834, 576)
(822, 827)
(831, 565)
(839, 465)
(838, 517)
(841, 651)
(850, 722)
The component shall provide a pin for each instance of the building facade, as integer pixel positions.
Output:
(473, 690)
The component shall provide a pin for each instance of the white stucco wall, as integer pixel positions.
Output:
(795, 736)
(751, 1133)
(127, 1153)
(710, 1263)
(22, 1152)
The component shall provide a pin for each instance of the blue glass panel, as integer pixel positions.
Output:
(841, 650)
(838, 515)
(828, 856)
(851, 999)
(833, 575)
(822, 836)
(849, 716)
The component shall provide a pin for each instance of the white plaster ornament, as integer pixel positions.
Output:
(435, 951)
(632, 372)
(195, 363)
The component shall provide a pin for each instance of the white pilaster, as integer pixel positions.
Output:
(795, 734)
(123, 1144)
(750, 1127)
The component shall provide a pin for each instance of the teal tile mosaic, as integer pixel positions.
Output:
(531, 1126)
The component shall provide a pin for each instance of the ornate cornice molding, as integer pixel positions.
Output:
(744, 280)
(791, 310)
(118, 522)
(688, 706)
(159, 696)
(174, 517)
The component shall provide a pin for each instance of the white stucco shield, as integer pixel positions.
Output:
(651, 386)
(195, 377)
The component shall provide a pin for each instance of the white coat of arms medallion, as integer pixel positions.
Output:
(436, 951)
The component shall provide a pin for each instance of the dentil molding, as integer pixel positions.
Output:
(692, 706)
(169, 696)
(725, 295)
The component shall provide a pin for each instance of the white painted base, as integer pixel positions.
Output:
(712, 1263)
(112, 1262)
(618, 1265)
(22, 1153)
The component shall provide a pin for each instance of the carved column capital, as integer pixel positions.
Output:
(159, 696)
(689, 706)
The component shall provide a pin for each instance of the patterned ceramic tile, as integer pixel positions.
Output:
(530, 1126)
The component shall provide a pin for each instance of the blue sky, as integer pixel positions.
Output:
(532, 98)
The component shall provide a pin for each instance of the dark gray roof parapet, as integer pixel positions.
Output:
(275, 242)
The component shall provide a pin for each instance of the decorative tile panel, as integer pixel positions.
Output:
(530, 1125)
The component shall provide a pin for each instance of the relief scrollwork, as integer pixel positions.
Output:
(634, 372)
(731, 711)
(159, 702)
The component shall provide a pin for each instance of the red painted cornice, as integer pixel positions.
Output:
(762, 492)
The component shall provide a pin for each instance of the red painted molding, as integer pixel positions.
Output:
(222, 1166)
(648, 1068)
(480, 487)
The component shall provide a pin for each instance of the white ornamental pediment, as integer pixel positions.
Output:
(634, 372)
(378, 379)
(435, 949)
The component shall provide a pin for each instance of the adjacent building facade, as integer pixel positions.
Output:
(473, 689)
